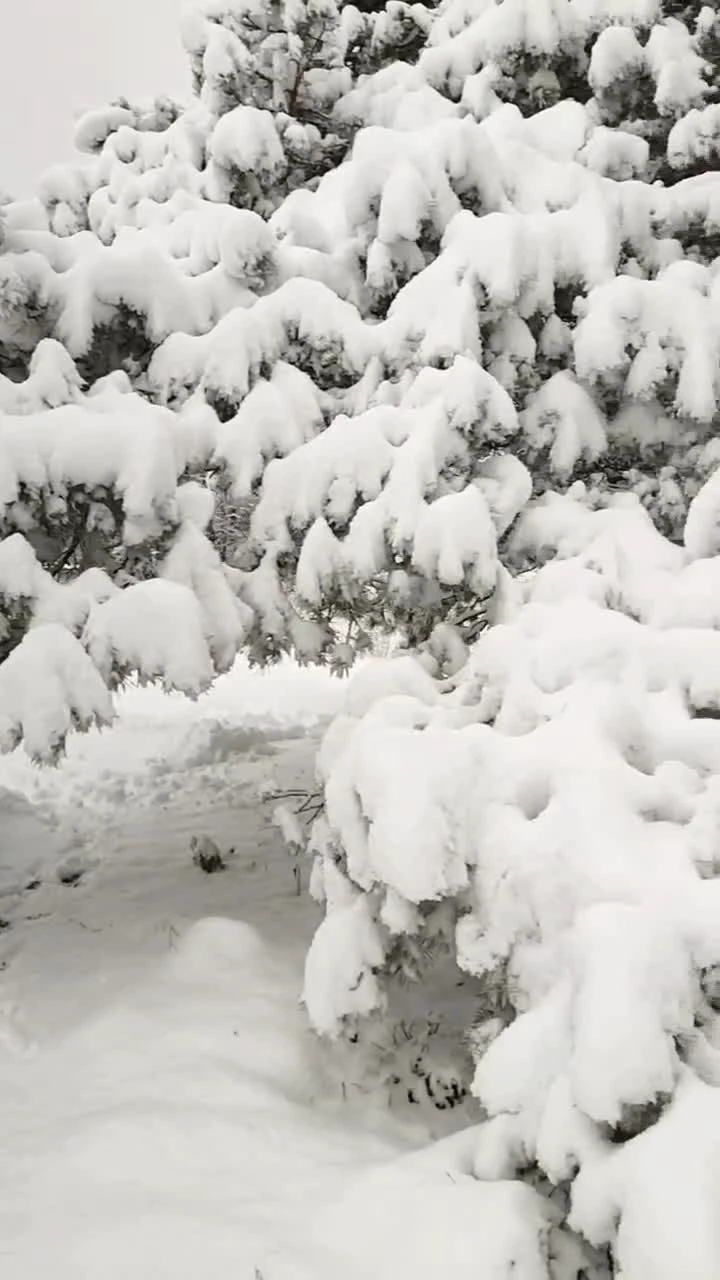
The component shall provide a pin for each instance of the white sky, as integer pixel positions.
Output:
(59, 57)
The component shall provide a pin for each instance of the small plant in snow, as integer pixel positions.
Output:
(293, 819)
(206, 855)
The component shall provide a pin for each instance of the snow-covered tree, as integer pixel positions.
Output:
(410, 320)
(268, 75)
(476, 306)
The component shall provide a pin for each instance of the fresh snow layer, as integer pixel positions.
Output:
(167, 1112)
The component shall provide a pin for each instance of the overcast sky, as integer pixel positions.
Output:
(58, 57)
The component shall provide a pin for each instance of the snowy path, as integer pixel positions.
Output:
(123, 808)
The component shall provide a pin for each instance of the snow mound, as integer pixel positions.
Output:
(426, 1214)
(219, 946)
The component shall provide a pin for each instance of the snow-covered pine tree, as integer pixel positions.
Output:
(469, 376)
(556, 796)
(269, 75)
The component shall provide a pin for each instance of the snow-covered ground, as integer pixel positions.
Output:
(166, 1111)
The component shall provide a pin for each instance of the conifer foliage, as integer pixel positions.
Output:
(410, 320)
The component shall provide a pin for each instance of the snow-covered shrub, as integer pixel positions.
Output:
(551, 816)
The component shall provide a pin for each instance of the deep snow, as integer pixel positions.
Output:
(166, 1111)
